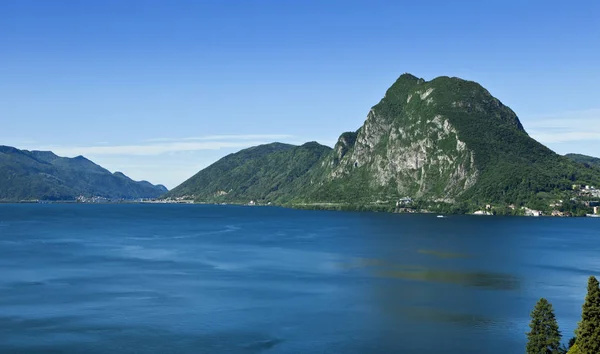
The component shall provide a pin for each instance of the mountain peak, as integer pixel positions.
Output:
(47, 156)
(408, 77)
(9, 149)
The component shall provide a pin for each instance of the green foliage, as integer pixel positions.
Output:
(587, 161)
(574, 208)
(514, 167)
(544, 336)
(574, 349)
(588, 331)
(29, 175)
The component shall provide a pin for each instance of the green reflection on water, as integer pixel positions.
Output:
(482, 279)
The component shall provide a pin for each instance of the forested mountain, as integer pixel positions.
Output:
(33, 175)
(271, 172)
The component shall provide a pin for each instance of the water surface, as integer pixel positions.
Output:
(227, 279)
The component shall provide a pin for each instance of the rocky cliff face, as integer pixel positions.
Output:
(405, 147)
(421, 155)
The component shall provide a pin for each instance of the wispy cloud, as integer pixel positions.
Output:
(161, 146)
(565, 127)
(147, 149)
(225, 137)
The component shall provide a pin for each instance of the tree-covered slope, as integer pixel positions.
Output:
(589, 161)
(272, 172)
(28, 175)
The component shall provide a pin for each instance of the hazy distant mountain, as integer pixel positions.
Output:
(585, 159)
(27, 175)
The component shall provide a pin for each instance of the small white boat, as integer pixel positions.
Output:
(441, 216)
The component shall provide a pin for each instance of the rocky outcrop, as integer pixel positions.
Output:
(417, 151)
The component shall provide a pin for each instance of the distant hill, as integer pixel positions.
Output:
(29, 175)
(446, 140)
(267, 172)
(584, 159)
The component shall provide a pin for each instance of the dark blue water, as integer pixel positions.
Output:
(223, 279)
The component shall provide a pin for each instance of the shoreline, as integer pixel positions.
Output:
(301, 206)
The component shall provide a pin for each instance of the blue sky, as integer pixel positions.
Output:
(160, 89)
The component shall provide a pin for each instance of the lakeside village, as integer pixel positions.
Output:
(103, 200)
(586, 200)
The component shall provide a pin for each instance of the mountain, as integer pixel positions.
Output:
(270, 172)
(30, 175)
(446, 140)
(589, 161)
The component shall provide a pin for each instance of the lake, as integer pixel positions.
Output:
(231, 279)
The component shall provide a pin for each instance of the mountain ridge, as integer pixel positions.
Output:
(43, 175)
(589, 161)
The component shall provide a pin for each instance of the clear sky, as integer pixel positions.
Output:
(160, 89)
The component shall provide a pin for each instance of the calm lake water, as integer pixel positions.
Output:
(226, 279)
